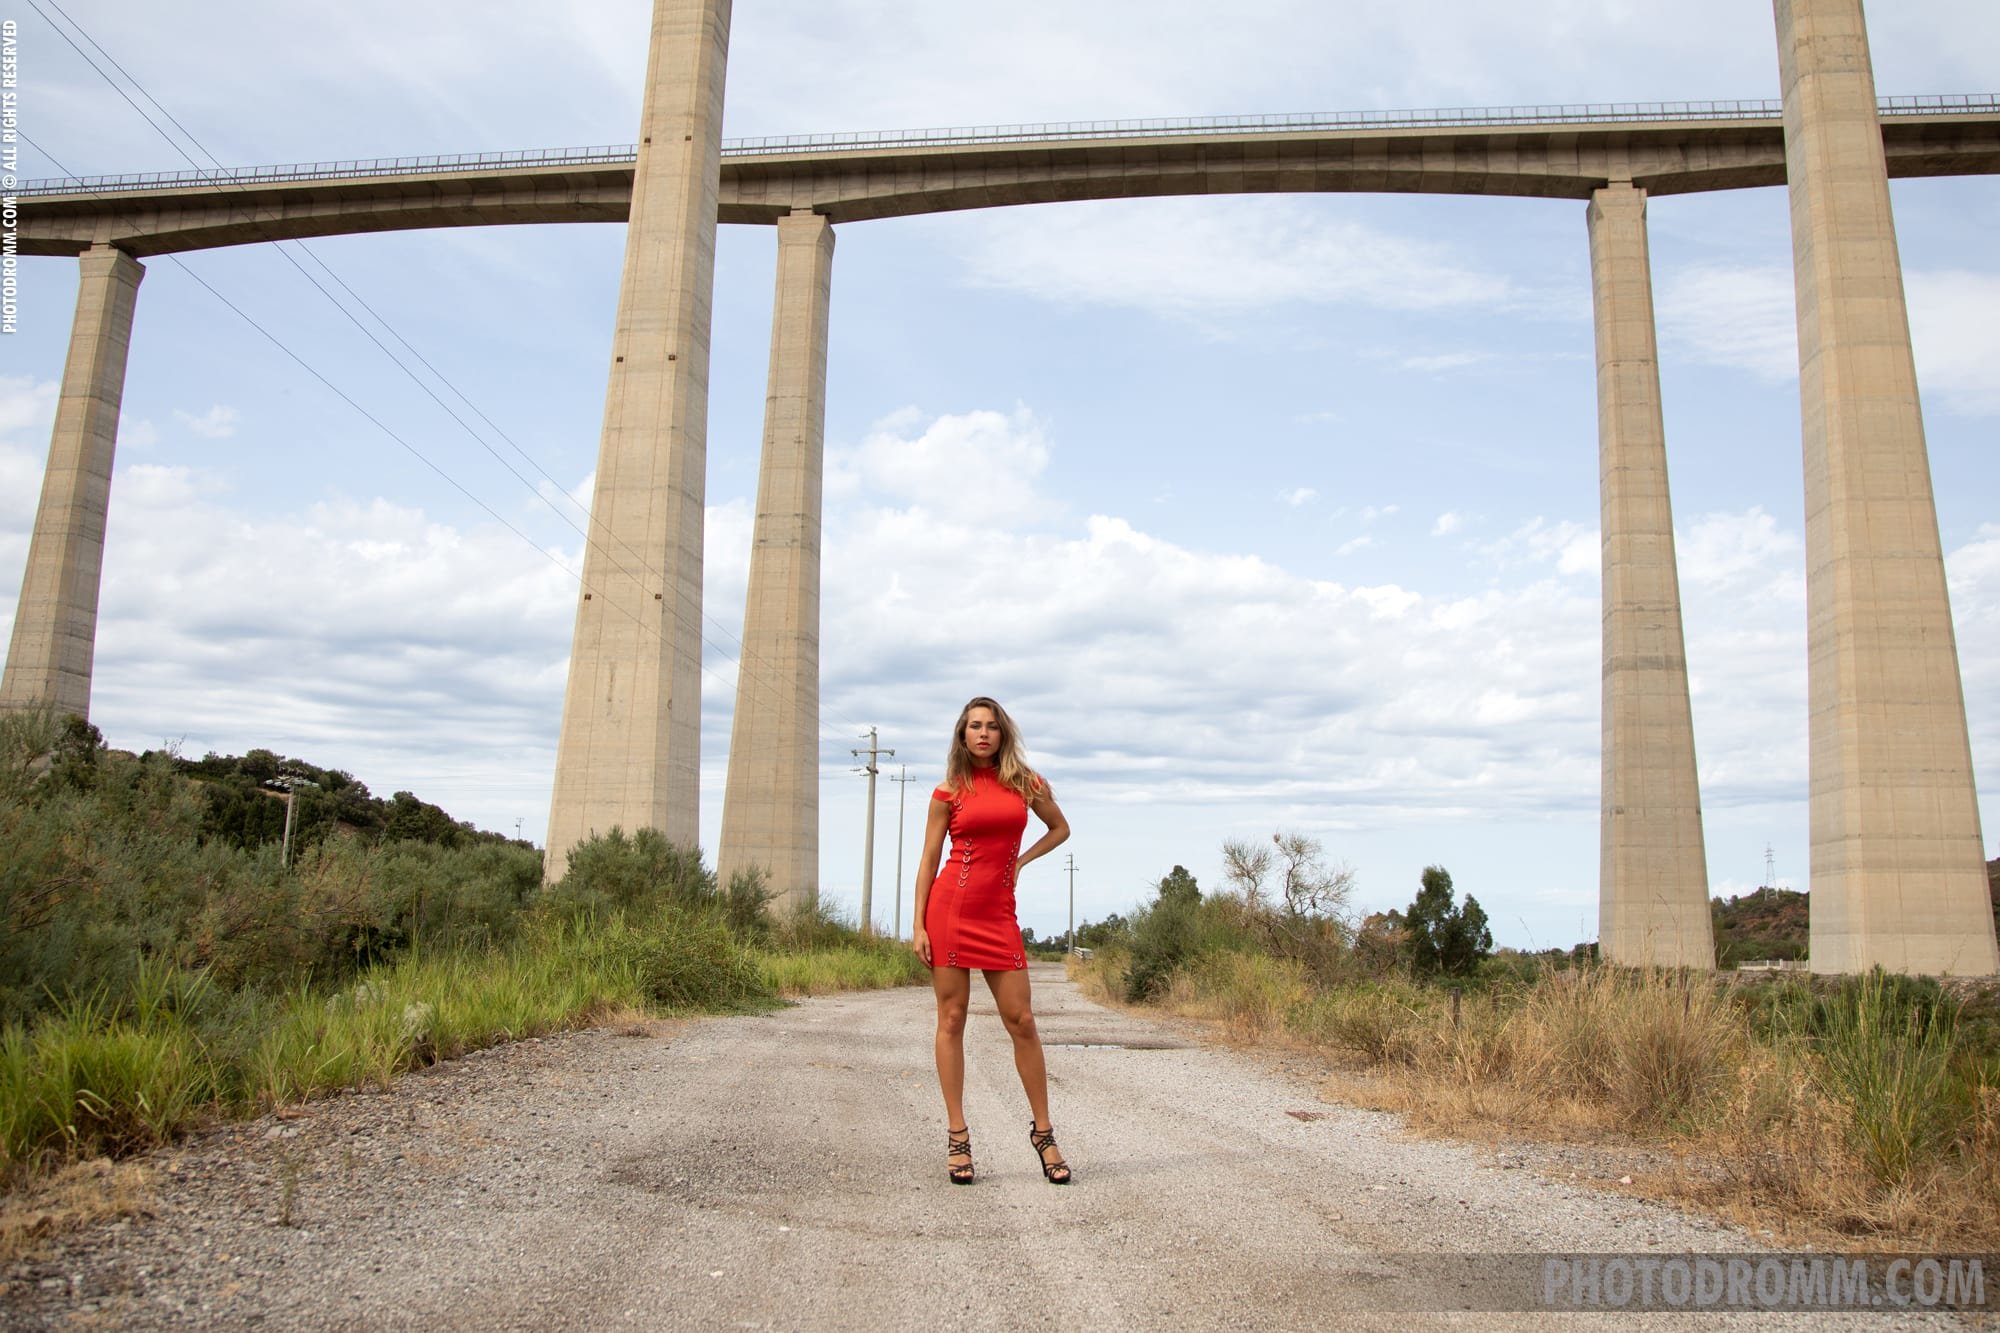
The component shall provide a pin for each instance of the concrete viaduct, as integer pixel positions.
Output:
(1897, 859)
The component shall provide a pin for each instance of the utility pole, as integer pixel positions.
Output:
(868, 845)
(1070, 865)
(289, 783)
(903, 785)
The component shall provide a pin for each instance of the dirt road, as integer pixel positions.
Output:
(787, 1171)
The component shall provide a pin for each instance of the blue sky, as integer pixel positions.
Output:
(1258, 512)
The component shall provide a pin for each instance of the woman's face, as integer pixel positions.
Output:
(982, 735)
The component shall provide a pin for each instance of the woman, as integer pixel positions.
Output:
(965, 915)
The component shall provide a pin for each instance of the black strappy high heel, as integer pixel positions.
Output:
(958, 1143)
(1041, 1140)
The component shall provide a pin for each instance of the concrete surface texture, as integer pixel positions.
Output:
(787, 1171)
(55, 628)
(1898, 867)
(770, 807)
(628, 755)
(1653, 866)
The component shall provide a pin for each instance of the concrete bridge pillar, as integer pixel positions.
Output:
(770, 809)
(1652, 864)
(55, 628)
(1898, 870)
(629, 751)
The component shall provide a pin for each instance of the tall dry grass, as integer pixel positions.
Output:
(1842, 1112)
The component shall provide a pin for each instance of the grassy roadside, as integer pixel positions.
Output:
(1849, 1113)
(95, 1082)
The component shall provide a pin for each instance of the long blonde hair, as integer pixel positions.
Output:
(1010, 764)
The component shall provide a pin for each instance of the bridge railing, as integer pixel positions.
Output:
(1591, 113)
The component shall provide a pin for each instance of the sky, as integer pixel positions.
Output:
(1257, 513)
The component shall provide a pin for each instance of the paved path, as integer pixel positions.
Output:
(787, 1171)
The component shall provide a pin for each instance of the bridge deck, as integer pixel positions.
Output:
(1534, 153)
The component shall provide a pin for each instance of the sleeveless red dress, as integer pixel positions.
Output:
(970, 912)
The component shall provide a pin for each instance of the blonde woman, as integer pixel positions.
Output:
(965, 915)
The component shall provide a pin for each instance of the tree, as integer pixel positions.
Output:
(1111, 930)
(1246, 865)
(1306, 884)
(1164, 935)
(1444, 939)
(1178, 886)
(1382, 944)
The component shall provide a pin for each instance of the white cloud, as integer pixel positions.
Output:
(1447, 523)
(27, 406)
(1736, 316)
(218, 423)
(1209, 257)
(1353, 544)
(1571, 547)
(1444, 361)
(1957, 339)
(979, 467)
(1745, 317)
(1298, 496)
(1732, 552)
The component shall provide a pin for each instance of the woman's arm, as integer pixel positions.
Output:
(927, 872)
(1049, 813)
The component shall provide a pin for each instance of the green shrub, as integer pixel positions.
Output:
(1163, 939)
(1885, 1052)
(746, 905)
(687, 960)
(614, 872)
(812, 925)
(1378, 1022)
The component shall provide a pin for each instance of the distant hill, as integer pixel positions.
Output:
(1772, 923)
(246, 806)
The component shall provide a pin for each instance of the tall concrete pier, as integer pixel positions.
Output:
(629, 750)
(1898, 870)
(770, 810)
(55, 630)
(1652, 865)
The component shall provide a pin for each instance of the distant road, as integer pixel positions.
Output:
(787, 1171)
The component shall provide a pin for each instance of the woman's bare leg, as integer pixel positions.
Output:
(1011, 997)
(953, 987)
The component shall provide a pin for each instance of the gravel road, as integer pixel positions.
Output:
(786, 1171)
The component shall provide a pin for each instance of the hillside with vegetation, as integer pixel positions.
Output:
(1771, 924)
(245, 799)
(160, 961)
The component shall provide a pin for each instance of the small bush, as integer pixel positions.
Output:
(812, 925)
(636, 874)
(1378, 1022)
(1885, 1051)
(746, 905)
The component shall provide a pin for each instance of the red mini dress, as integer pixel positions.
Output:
(969, 915)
